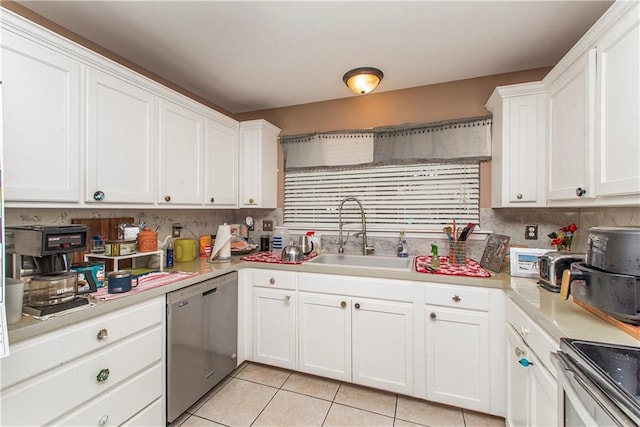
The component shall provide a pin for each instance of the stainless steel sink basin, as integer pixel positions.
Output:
(361, 261)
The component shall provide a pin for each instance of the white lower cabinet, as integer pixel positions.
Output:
(464, 341)
(274, 318)
(104, 371)
(532, 389)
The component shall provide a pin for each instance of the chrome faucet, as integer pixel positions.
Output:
(366, 250)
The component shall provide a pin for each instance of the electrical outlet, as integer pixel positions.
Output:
(531, 232)
(175, 229)
(267, 225)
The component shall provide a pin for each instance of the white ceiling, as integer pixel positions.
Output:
(247, 56)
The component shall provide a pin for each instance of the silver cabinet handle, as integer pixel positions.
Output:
(520, 352)
(287, 298)
(581, 191)
(98, 196)
(103, 420)
(519, 196)
(102, 334)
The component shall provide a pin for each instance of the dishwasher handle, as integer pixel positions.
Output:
(209, 292)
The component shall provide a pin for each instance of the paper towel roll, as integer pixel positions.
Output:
(222, 247)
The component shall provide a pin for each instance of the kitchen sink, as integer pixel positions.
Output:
(361, 261)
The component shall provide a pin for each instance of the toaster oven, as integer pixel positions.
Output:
(553, 264)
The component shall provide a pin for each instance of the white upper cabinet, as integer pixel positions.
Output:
(121, 141)
(617, 134)
(570, 110)
(221, 165)
(518, 146)
(258, 164)
(593, 106)
(41, 122)
(181, 148)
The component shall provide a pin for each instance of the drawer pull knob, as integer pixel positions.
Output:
(103, 420)
(250, 201)
(343, 304)
(102, 334)
(525, 362)
(523, 331)
(272, 281)
(167, 198)
(520, 352)
(98, 196)
(212, 199)
(519, 196)
(432, 315)
(456, 298)
(357, 305)
(581, 191)
(103, 375)
(287, 298)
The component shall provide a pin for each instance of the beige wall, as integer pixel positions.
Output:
(444, 101)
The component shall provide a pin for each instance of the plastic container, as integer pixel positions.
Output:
(281, 238)
(14, 294)
(205, 245)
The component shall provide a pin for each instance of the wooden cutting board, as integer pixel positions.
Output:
(108, 229)
(628, 328)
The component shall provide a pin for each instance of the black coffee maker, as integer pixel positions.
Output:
(40, 255)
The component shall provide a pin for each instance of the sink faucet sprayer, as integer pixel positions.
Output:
(366, 250)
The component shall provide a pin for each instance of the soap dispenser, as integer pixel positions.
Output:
(403, 248)
(435, 260)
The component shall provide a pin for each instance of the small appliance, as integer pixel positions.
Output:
(609, 278)
(39, 255)
(553, 264)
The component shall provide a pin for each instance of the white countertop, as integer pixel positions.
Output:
(557, 317)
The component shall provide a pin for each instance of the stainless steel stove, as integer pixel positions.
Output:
(599, 383)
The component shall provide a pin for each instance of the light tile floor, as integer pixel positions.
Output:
(259, 395)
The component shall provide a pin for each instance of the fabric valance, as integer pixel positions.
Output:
(457, 140)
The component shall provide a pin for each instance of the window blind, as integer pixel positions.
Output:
(414, 197)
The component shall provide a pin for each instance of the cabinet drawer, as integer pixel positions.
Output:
(121, 403)
(367, 287)
(152, 415)
(457, 296)
(60, 390)
(72, 342)
(539, 341)
(274, 279)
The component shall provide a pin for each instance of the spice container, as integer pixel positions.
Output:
(119, 247)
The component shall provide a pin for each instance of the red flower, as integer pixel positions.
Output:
(573, 227)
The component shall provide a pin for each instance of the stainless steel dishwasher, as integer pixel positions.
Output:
(202, 340)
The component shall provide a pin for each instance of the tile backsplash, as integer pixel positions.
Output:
(509, 222)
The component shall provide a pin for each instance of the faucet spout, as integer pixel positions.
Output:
(366, 250)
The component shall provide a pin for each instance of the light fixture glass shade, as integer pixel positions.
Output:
(363, 80)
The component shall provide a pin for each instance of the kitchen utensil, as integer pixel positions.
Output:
(458, 255)
(120, 282)
(464, 234)
(292, 253)
(184, 249)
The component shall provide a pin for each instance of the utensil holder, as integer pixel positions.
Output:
(458, 253)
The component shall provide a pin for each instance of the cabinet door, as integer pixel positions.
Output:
(221, 165)
(274, 327)
(181, 148)
(518, 387)
(41, 122)
(618, 91)
(457, 357)
(325, 335)
(570, 112)
(544, 396)
(121, 126)
(250, 167)
(382, 344)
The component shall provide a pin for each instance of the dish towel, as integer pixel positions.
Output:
(146, 282)
(274, 259)
(471, 269)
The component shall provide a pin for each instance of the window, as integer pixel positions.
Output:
(423, 197)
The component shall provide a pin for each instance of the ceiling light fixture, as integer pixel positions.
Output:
(363, 80)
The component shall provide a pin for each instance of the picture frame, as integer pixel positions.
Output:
(524, 262)
(494, 252)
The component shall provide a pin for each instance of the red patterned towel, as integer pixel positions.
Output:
(274, 259)
(471, 269)
(146, 282)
